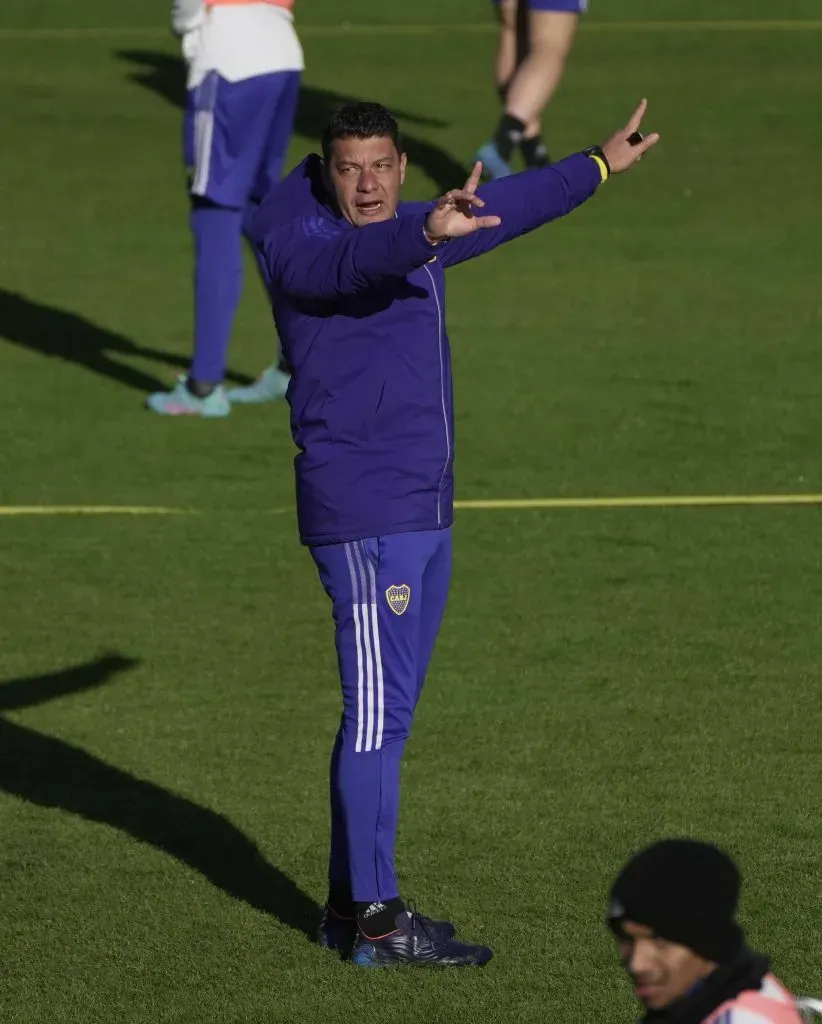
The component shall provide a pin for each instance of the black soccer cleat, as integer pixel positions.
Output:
(340, 933)
(414, 943)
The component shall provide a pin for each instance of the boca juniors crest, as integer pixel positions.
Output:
(398, 598)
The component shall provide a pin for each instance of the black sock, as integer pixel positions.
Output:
(199, 388)
(534, 152)
(283, 366)
(377, 919)
(339, 899)
(509, 135)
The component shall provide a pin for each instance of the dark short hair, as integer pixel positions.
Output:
(360, 121)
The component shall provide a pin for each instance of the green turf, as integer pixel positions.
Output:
(603, 677)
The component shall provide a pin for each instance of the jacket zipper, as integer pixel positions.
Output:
(442, 397)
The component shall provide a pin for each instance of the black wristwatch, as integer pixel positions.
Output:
(596, 154)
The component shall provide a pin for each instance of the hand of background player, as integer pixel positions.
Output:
(190, 45)
(619, 152)
(454, 216)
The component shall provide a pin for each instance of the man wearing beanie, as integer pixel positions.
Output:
(672, 910)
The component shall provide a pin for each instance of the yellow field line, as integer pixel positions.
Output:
(465, 28)
(482, 504)
(661, 501)
(741, 25)
(91, 510)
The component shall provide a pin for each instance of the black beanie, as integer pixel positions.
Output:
(686, 892)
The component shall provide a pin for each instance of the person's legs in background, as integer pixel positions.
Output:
(512, 49)
(227, 140)
(552, 26)
(272, 383)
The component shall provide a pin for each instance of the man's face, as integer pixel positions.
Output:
(661, 971)
(366, 176)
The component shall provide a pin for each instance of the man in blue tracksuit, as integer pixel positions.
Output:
(358, 293)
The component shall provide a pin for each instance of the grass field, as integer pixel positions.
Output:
(605, 675)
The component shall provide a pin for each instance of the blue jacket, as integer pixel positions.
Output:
(361, 318)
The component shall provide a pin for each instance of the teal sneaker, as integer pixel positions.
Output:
(270, 386)
(494, 165)
(181, 402)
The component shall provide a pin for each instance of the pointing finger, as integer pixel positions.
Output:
(474, 178)
(636, 117)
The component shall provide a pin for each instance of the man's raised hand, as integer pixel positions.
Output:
(454, 215)
(619, 151)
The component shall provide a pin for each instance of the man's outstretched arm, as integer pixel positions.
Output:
(518, 204)
(524, 202)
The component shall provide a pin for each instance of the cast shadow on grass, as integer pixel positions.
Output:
(59, 334)
(165, 75)
(51, 773)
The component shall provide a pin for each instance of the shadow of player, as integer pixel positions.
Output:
(165, 75)
(52, 773)
(60, 334)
